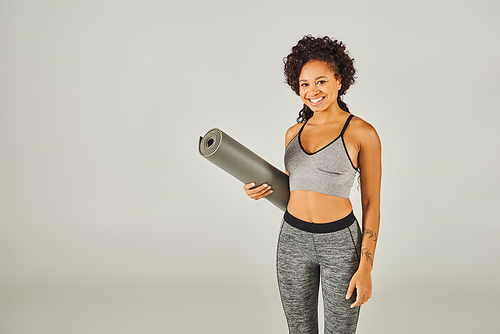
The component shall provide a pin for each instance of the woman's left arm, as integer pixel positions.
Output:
(370, 165)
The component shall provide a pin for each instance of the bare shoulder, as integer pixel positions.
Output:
(292, 132)
(363, 131)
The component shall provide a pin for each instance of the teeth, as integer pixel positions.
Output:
(317, 100)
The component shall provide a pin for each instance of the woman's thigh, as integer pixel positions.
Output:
(338, 254)
(298, 279)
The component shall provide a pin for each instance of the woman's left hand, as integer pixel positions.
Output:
(362, 281)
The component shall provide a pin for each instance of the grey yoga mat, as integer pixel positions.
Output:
(222, 150)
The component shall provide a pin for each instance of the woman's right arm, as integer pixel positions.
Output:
(264, 189)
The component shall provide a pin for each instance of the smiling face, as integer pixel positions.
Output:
(318, 86)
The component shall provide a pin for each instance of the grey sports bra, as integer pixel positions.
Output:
(329, 170)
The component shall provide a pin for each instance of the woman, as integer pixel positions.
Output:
(320, 239)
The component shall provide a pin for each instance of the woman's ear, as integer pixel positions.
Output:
(339, 83)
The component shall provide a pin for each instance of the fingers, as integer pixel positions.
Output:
(361, 297)
(363, 288)
(360, 300)
(247, 186)
(257, 192)
(350, 290)
(356, 303)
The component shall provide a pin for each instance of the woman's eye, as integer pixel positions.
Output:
(304, 85)
(321, 82)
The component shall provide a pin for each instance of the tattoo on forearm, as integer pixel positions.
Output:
(370, 234)
(369, 256)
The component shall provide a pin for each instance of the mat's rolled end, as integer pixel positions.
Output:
(246, 166)
(210, 142)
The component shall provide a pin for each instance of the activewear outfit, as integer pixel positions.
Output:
(328, 252)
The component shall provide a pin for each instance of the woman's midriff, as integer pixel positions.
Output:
(318, 208)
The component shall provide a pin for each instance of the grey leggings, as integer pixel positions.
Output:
(306, 257)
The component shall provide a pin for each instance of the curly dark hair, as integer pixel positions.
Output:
(333, 53)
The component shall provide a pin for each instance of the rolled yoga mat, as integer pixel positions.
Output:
(225, 152)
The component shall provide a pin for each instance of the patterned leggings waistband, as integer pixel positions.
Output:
(320, 228)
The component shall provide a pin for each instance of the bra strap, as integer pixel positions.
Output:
(302, 127)
(346, 124)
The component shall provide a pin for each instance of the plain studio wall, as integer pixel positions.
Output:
(111, 222)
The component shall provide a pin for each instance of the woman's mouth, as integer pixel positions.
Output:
(316, 101)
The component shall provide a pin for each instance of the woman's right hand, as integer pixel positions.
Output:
(258, 192)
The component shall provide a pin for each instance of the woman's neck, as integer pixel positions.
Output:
(327, 116)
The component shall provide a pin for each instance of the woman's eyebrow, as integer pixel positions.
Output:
(320, 77)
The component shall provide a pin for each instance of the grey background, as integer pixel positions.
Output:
(110, 221)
